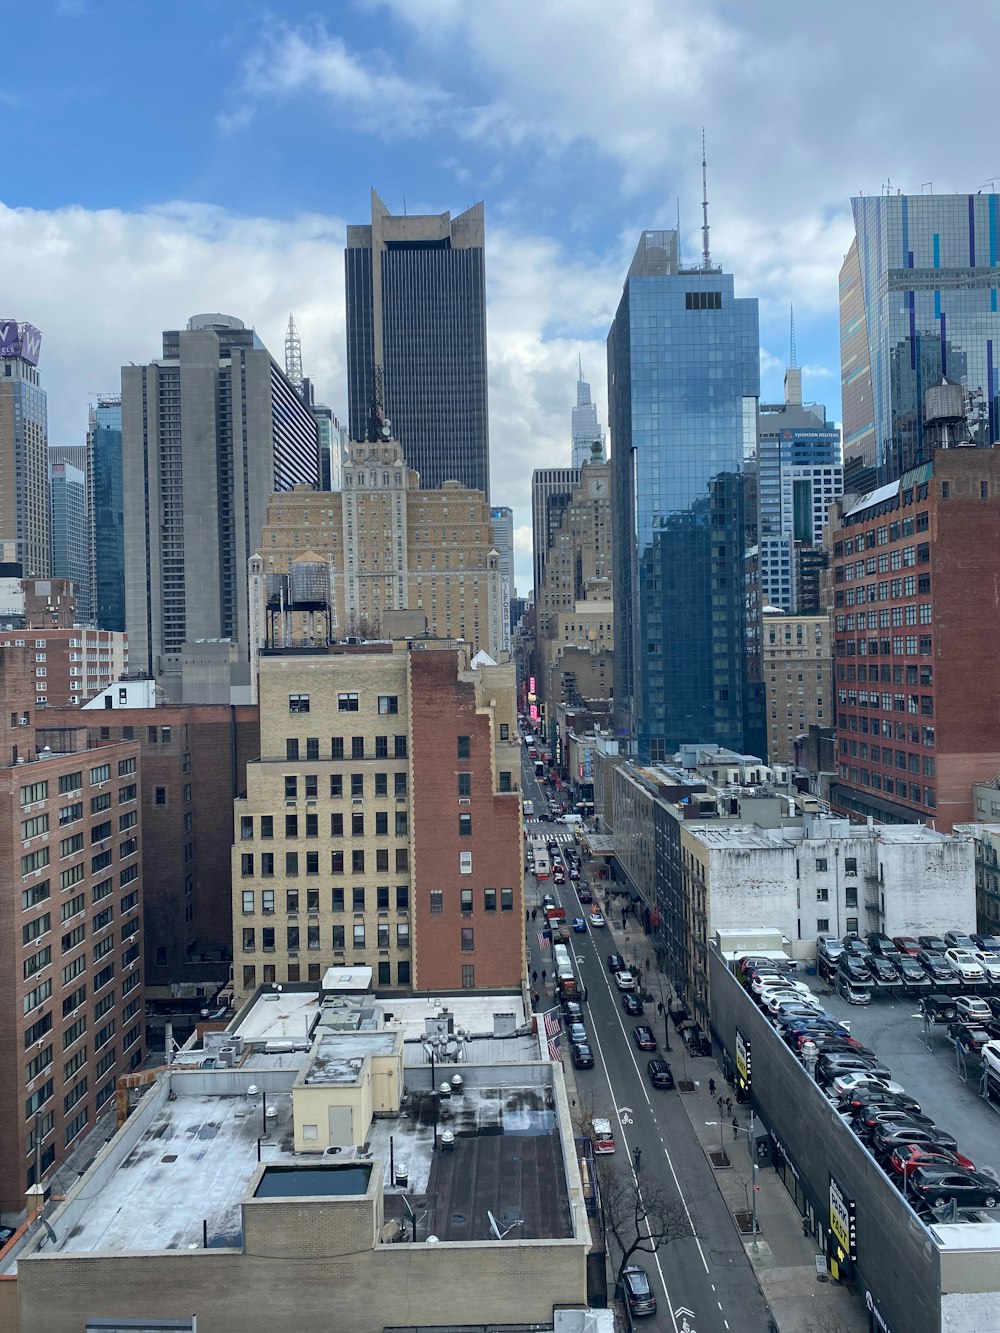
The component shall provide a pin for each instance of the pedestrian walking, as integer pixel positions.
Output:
(535, 1002)
(729, 1106)
(543, 976)
(637, 1159)
(527, 916)
(711, 1087)
(647, 964)
(534, 978)
(736, 1128)
(534, 913)
(720, 1103)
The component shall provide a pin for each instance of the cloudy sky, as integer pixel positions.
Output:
(165, 159)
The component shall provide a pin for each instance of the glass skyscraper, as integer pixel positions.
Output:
(925, 267)
(69, 530)
(416, 311)
(108, 513)
(683, 386)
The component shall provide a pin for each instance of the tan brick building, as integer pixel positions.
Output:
(381, 824)
(387, 545)
(797, 669)
(70, 666)
(71, 979)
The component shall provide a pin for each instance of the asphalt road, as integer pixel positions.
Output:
(703, 1283)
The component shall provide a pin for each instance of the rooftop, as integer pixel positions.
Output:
(338, 1057)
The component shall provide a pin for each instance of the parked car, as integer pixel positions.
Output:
(908, 1156)
(935, 943)
(871, 1094)
(969, 1189)
(853, 991)
(631, 1003)
(885, 1138)
(958, 939)
(910, 971)
(601, 1133)
(579, 925)
(625, 981)
(939, 1008)
(972, 1009)
(644, 1038)
(936, 966)
(760, 979)
(908, 944)
(965, 963)
(989, 962)
(988, 943)
(854, 966)
(845, 1084)
(990, 1056)
(574, 873)
(777, 1001)
(616, 963)
(854, 944)
(638, 1293)
(583, 1057)
(830, 945)
(968, 1038)
(572, 1011)
(796, 1009)
(869, 1116)
(879, 943)
(596, 918)
(833, 1065)
(882, 969)
(659, 1074)
(577, 1032)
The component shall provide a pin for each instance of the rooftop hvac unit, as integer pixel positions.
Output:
(227, 1056)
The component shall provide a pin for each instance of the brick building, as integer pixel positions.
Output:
(796, 678)
(70, 666)
(344, 851)
(194, 763)
(916, 624)
(71, 979)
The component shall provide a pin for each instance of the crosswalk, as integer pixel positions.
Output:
(549, 832)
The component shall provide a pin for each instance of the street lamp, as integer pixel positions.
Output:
(749, 1131)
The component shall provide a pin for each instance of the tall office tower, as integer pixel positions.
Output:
(24, 458)
(586, 427)
(683, 384)
(379, 545)
(574, 615)
(502, 524)
(916, 623)
(69, 529)
(107, 517)
(382, 825)
(71, 979)
(919, 310)
(209, 433)
(551, 491)
(799, 475)
(416, 323)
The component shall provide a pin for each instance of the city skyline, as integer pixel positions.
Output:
(225, 209)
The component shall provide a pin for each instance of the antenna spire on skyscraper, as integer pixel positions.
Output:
(792, 358)
(293, 354)
(706, 259)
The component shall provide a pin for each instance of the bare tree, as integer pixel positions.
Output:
(640, 1215)
(582, 1112)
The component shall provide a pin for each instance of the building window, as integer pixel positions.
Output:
(464, 747)
(468, 976)
(291, 748)
(388, 703)
(347, 703)
(468, 939)
(357, 747)
(336, 752)
(465, 826)
(506, 900)
(821, 863)
(359, 937)
(403, 973)
(464, 784)
(489, 900)
(159, 795)
(298, 703)
(466, 900)
(436, 902)
(399, 749)
(337, 900)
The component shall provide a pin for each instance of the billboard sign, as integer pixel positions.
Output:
(19, 340)
(744, 1068)
(843, 1223)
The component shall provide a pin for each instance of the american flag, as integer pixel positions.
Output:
(544, 941)
(555, 1050)
(552, 1023)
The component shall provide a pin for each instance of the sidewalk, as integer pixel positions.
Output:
(784, 1260)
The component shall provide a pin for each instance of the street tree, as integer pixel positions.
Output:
(639, 1213)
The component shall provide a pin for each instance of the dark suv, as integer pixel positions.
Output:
(659, 1074)
(638, 1292)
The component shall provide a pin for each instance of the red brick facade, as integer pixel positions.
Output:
(468, 925)
(918, 683)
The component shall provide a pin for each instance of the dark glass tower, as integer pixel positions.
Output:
(683, 385)
(109, 516)
(416, 308)
(919, 315)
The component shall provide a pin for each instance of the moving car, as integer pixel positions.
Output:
(638, 1293)
(969, 1189)
(644, 1038)
(965, 963)
(574, 873)
(583, 1057)
(616, 963)
(625, 981)
(631, 1003)
(596, 917)
(579, 925)
(583, 892)
(659, 1074)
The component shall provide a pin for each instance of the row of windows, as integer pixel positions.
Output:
(347, 702)
(911, 791)
(401, 860)
(293, 899)
(899, 703)
(315, 970)
(919, 764)
(885, 533)
(294, 937)
(910, 674)
(401, 824)
(888, 617)
(294, 748)
(910, 731)
(310, 788)
(465, 902)
(909, 645)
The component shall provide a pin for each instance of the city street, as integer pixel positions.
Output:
(705, 1282)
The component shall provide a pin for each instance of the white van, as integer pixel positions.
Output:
(604, 1140)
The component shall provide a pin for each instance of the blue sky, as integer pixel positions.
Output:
(165, 159)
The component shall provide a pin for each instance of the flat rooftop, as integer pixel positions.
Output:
(339, 1056)
(193, 1161)
(282, 1016)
